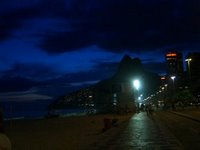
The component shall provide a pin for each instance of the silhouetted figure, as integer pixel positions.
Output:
(5, 143)
(142, 107)
(2, 130)
(138, 109)
(146, 109)
(149, 109)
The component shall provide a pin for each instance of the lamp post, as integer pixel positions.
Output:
(166, 90)
(173, 91)
(188, 64)
(136, 85)
(173, 78)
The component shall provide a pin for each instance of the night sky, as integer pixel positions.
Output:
(48, 47)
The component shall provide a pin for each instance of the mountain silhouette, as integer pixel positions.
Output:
(122, 84)
(117, 92)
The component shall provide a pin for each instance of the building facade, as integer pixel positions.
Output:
(174, 62)
(193, 66)
(193, 72)
(175, 74)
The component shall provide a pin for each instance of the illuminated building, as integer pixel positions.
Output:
(174, 64)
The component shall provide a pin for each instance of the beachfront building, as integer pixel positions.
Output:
(123, 97)
(193, 66)
(174, 64)
(193, 72)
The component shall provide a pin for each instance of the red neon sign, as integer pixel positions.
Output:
(171, 54)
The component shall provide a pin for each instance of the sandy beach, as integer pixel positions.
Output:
(70, 133)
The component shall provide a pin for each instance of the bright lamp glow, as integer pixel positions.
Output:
(173, 77)
(188, 60)
(139, 98)
(136, 84)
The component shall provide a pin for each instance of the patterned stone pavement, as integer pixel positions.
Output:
(142, 133)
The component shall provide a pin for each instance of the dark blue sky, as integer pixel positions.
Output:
(48, 45)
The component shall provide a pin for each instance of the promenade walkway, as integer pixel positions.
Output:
(191, 113)
(141, 133)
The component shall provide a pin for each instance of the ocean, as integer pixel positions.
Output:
(32, 110)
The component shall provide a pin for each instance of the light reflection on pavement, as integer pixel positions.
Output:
(143, 133)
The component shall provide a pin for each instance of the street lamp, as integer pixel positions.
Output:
(173, 78)
(188, 63)
(140, 97)
(136, 85)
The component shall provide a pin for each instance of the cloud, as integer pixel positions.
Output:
(33, 71)
(45, 73)
(114, 25)
(128, 25)
(24, 97)
(23, 77)
(66, 41)
(98, 72)
(10, 84)
(13, 15)
(11, 21)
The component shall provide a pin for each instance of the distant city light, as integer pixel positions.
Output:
(162, 78)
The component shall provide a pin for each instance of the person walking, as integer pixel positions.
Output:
(147, 109)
